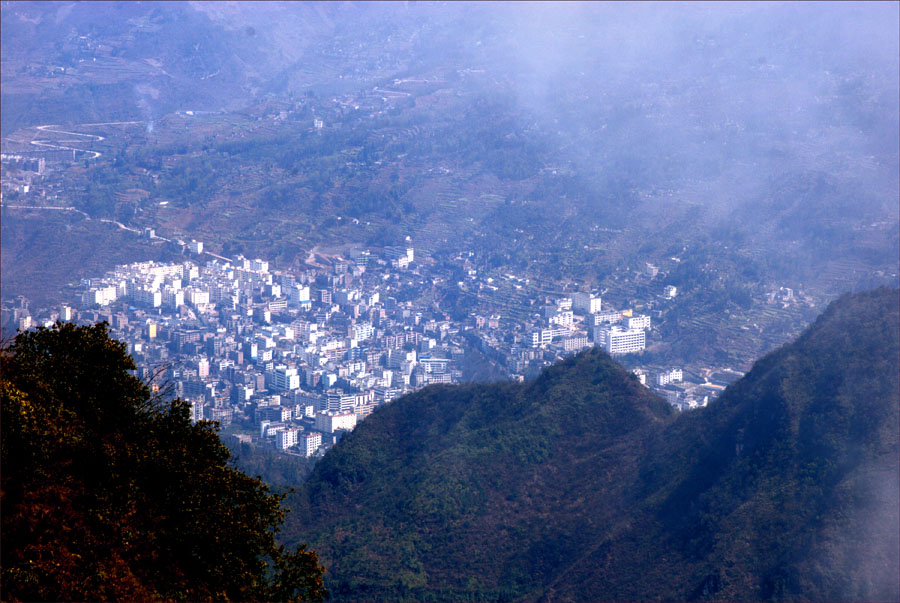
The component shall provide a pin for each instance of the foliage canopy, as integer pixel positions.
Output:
(582, 485)
(109, 493)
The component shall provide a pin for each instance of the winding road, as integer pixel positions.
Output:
(55, 146)
(76, 210)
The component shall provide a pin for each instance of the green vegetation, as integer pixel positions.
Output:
(110, 494)
(278, 470)
(432, 494)
(580, 485)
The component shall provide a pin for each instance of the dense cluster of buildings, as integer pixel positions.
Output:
(296, 359)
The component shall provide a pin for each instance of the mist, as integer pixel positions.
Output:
(731, 94)
(436, 194)
(767, 126)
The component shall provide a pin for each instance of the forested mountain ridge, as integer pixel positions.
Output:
(582, 486)
(458, 463)
(787, 487)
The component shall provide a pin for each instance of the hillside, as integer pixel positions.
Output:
(543, 138)
(111, 494)
(580, 485)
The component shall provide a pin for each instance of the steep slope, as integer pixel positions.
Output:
(583, 486)
(437, 490)
(785, 489)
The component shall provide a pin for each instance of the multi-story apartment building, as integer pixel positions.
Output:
(285, 378)
(641, 321)
(616, 340)
(309, 443)
(329, 421)
(586, 303)
(287, 437)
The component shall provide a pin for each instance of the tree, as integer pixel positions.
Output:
(109, 493)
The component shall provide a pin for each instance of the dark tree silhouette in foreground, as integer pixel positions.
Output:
(108, 493)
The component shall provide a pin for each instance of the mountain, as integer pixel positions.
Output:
(581, 485)
(70, 63)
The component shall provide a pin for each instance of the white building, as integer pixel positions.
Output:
(337, 401)
(670, 291)
(329, 421)
(541, 337)
(607, 316)
(563, 318)
(575, 343)
(101, 296)
(666, 377)
(395, 358)
(362, 331)
(155, 270)
(641, 321)
(147, 298)
(398, 252)
(266, 341)
(435, 365)
(196, 410)
(284, 378)
(616, 340)
(240, 394)
(173, 298)
(641, 375)
(309, 443)
(298, 295)
(191, 271)
(586, 303)
(196, 247)
(545, 336)
(197, 297)
(286, 438)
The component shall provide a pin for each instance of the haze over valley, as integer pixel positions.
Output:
(352, 232)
